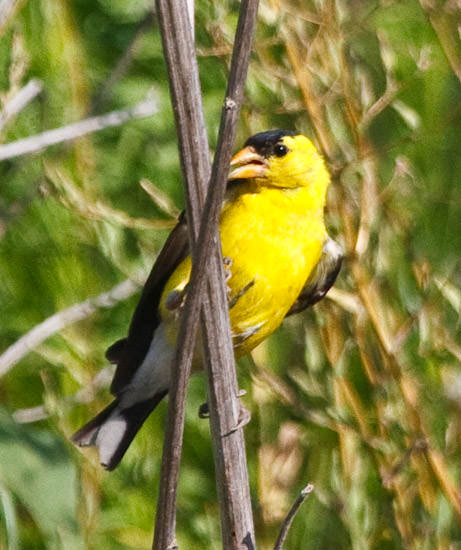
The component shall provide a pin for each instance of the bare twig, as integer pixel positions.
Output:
(36, 143)
(286, 524)
(236, 515)
(186, 99)
(229, 445)
(20, 100)
(61, 320)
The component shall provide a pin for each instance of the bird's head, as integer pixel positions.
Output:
(280, 158)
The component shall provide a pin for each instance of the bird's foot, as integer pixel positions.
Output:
(227, 267)
(227, 264)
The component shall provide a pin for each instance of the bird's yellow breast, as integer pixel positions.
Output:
(271, 239)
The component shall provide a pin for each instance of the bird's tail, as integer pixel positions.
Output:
(114, 428)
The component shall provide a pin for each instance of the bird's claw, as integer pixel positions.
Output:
(227, 263)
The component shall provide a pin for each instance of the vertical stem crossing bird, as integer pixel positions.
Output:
(278, 260)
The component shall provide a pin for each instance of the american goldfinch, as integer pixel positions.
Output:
(278, 258)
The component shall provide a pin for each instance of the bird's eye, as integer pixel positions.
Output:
(280, 150)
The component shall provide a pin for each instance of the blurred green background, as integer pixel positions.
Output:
(360, 396)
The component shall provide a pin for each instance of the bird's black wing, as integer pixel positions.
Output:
(129, 352)
(321, 279)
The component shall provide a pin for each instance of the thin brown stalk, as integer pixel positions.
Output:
(193, 148)
(232, 476)
(286, 524)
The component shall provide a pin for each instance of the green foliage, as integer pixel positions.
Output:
(35, 465)
(361, 396)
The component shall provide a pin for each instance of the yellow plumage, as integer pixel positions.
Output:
(272, 232)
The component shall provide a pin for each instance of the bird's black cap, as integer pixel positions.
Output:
(264, 142)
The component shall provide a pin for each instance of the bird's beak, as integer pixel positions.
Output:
(250, 164)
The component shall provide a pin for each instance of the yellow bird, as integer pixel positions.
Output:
(278, 258)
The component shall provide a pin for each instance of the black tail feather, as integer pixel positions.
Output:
(113, 446)
(86, 435)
